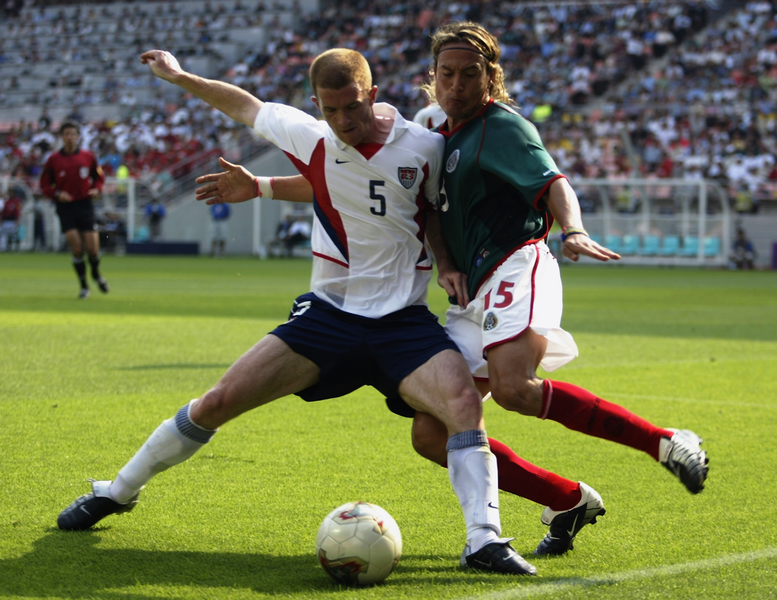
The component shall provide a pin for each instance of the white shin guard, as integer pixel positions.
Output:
(165, 448)
(474, 478)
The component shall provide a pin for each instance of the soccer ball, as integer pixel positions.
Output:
(359, 544)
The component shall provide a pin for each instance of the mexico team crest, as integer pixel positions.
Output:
(453, 160)
(407, 176)
(489, 322)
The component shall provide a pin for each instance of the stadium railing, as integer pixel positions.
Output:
(663, 221)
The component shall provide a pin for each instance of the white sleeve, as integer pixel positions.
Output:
(292, 130)
(432, 186)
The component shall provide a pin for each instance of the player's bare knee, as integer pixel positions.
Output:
(465, 411)
(213, 408)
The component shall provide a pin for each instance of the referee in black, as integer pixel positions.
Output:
(72, 178)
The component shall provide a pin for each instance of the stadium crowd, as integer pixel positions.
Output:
(694, 96)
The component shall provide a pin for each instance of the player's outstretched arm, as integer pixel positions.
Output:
(238, 184)
(233, 101)
(565, 207)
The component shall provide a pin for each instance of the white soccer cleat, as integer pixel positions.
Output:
(566, 524)
(682, 455)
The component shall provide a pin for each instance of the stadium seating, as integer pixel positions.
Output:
(711, 246)
(613, 242)
(593, 92)
(650, 245)
(630, 245)
(670, 245)
(690, 246)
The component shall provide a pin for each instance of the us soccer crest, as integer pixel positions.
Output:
(407, 176)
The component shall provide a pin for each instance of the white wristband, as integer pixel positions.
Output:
(264, 187)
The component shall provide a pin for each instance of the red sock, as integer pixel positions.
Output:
(580, 410)
(526, 480)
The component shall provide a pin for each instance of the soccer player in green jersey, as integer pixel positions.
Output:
(501, 194)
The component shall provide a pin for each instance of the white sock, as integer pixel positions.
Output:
(473, 474)
(165, 448)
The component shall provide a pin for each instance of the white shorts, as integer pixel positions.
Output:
(219, 230)
(524, 291)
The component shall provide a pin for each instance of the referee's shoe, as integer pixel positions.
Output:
(93, 507)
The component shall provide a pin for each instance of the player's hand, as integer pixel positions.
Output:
(578, 244)
(236, 184)
(93, 193)
(64, 197)
(454, 283)
(163, 64)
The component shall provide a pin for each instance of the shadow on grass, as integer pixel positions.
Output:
(71, 565)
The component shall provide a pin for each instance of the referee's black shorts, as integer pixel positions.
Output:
(78, 214)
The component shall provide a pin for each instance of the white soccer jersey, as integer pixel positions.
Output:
(369, 252)
(430, 116)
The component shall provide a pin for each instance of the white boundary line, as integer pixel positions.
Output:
(564, 585)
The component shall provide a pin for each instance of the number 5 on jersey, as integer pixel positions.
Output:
(380, 210)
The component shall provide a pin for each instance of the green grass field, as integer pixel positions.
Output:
(83, 383)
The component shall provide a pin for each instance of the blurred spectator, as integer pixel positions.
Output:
(298, 233)
(219, 228)
(155, 213)
(113, 232)
(281, 232)
(39, 227)
(10, 216)
(743, 252)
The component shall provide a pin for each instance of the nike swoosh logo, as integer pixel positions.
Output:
(86, 511)
(571, 532)
(548, 172)
(492, 506)
(341, 162)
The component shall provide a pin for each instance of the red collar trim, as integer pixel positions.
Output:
(443, 129)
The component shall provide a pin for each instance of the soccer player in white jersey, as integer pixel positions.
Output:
(365, 321)
(430, 116)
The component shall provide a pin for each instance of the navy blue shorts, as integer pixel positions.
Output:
(353, 351)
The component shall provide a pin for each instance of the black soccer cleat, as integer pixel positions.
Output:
(565, 525)
(93, 507)
(498, 557)
(103, 285)
(83, 294)
(682, 455)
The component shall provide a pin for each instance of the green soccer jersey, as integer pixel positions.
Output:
(495, 174)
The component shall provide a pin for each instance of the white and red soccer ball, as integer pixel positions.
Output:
(359, 544)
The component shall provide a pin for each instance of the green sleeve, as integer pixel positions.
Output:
(512, 150)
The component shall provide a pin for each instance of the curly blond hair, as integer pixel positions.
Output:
(485, 43)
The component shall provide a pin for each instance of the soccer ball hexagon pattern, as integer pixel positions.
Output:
(359, 544)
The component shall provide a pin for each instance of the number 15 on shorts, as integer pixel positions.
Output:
(503, 296)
